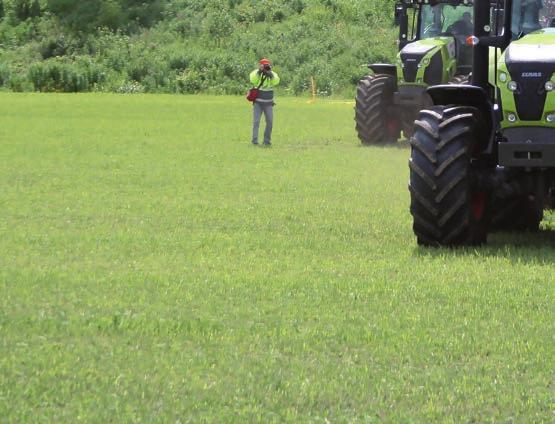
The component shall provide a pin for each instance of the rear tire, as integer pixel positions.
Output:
(374, 99)
(446, 210)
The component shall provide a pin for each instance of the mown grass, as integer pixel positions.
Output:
(155, 267)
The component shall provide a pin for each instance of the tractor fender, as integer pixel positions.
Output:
(384, 68)
(459, 94)
(467, 95)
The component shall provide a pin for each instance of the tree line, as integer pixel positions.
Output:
(189, 46)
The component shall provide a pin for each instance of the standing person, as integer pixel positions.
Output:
(264, 103)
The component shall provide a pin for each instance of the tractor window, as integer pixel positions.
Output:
(531, 15)
(445, 19)
(412, 28)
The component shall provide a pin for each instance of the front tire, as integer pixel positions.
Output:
(375, 124)
(446, 209)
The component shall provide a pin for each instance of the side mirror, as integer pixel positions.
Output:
(399, 12)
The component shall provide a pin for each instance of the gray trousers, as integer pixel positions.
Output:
(258, 110)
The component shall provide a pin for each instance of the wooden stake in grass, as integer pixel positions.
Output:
(313, 88)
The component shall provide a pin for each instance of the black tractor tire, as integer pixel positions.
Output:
(519, 214)
(446, 209)
(375, 124)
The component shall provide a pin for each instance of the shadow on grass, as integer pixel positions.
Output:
(544, 238)
(402, 144)
(538, 248)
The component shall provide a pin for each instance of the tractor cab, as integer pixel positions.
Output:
(453, 21)
(531, 15)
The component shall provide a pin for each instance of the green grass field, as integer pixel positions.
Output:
(156, 267)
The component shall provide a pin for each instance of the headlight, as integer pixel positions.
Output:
(512, 85)
(550, 117)
(549, 86)
(424, 62)
(511, 117)
(503, 77)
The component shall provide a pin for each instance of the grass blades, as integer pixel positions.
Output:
(156, 267)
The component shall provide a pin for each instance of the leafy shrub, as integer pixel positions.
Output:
(189, 82)
(87, 15)
(57, 45)
(201, 46)
(5, 74)
(19, 83)
(131, 87)
(57, 75)
(25, 9)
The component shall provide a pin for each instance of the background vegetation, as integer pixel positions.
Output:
(186, 46)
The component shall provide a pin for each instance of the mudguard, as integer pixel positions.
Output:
(384, 68)
(467, 95)
(459, 94)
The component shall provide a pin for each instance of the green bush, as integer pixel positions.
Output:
(87, 15)
(58, 44)
(57, 75)
(5, 74)
(130, 87)
(189, 82)
(189, 47)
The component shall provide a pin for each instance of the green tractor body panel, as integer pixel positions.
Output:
(523, 71)
(493, 58)
(427, 62)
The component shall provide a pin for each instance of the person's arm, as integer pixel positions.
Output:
(255, 77)
(274, 79)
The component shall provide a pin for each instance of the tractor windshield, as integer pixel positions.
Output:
(446, 19)
(531, 15)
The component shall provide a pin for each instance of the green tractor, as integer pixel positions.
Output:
(483, 156)
(433, 50)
